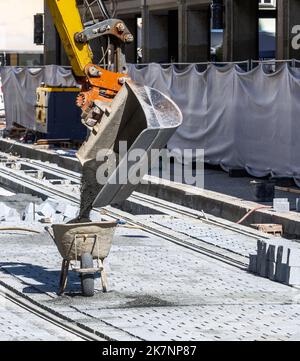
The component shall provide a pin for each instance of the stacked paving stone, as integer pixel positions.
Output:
(48, 211)
(8, 213)
(51, 210)
(276, 262)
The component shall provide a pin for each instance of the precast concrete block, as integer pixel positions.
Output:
(252, 263)
(61, 207)
(271, 270)
(46, 209)
(293, 257)
(293, 276)
(9, 213)
(278, 272)
(283, 274)
(30, 208)
(58, 218)
(262, 258)
(53, 202)
(282, 255)
(271, 253)
(5, 211)
(30, 213)
(71, 211)
(13, 216)
(259, 256)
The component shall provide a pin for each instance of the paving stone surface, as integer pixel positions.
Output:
(17, 324)
(220, 237)
(157, 291)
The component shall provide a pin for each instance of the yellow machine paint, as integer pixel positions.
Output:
(67, 20)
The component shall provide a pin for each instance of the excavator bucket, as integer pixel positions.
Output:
(141, 119)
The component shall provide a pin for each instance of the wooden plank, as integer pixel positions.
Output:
(288, 190)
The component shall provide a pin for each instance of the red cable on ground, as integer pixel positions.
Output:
(252, 211)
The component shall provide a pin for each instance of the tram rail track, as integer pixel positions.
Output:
(48, 315)
(151, 201)
(29, 183)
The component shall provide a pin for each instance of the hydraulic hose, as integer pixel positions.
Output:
(104, 9)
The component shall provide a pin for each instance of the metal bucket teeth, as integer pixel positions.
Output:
(145, 119)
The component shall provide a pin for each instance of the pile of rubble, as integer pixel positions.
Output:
(28, 209)
(276, 262)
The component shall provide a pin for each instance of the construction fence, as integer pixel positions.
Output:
(243, 115)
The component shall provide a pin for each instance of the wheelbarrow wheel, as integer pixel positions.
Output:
(87, 279)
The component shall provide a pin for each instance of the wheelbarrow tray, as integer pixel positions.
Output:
(73, 240)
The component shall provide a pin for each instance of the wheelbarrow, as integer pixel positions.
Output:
(80, 245)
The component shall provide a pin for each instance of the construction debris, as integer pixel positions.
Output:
(273, 229)
(27, 209)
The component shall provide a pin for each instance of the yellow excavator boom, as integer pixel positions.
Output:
(68, 22)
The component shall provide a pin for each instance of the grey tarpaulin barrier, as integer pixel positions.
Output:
(19, 88)
(241, 119)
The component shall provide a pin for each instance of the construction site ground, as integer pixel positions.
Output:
(170, 277)
(157, 291)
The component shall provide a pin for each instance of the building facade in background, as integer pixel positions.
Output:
(16, 32)
(184, 30)
(267, 3)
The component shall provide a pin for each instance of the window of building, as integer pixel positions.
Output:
(267, 3)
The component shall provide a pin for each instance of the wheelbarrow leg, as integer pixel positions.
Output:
(63, 276)
(103, 281)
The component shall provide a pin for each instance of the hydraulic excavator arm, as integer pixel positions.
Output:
(98, 84)
(114, 108)
(68, 22)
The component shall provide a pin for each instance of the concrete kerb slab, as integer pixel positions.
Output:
(30, 151)
(219, 205)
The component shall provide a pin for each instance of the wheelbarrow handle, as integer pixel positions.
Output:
(50, 232)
